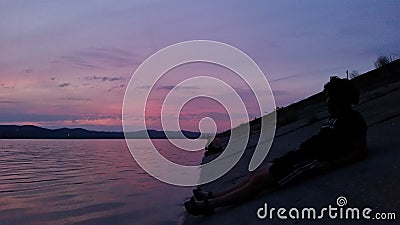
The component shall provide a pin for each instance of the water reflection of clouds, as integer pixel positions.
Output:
(54, 181)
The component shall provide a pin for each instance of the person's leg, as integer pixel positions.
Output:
(239, 185)
(258, 182)
(244, 182)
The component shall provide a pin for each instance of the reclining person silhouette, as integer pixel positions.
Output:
(342, 140)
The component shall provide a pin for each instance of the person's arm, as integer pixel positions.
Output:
(359, 152)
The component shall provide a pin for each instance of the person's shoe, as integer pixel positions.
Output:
(202, 195)
(195, 209)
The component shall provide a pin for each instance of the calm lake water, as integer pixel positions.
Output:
(85, 182)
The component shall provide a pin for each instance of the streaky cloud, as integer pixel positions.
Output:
(64, 85)
(8, 102)
(105, 78)
(76, 99)
(170, 87)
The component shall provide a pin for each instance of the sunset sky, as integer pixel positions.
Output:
(68, 63)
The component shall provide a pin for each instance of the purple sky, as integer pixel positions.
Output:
(67, 63)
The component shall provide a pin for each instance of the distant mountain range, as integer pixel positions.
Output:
(35, 132)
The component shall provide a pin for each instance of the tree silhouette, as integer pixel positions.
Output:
(382, 60)
(354, 73)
